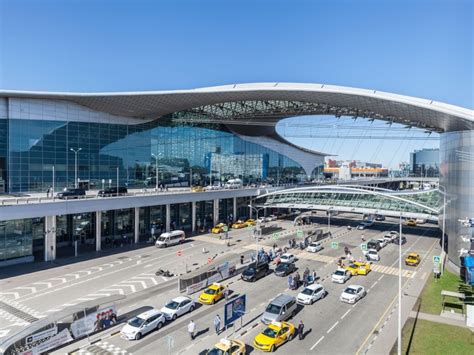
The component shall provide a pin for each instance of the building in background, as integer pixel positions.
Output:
(345, 169)
(425, 163)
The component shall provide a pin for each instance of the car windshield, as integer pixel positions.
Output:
(307, 291)
(250, 270)
(216, 351)
(162, 239)
(282, 267)
(314, 244)
(271, 308)
(172, 305)
(269, 332)
(136, 322)
(210, 291)
(339, 273)
(350, 291)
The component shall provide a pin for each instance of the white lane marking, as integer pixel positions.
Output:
(164, 278)
(99, 294)
(31, 288)
(85, 299)
(132, 287)
(150, 265)
(88, 272)
(119, 290)
(333, 326)
(69, 304)
(345, 314)
(375, 283)
(62, 279)
(16, 295)
(381, 277)
(53, 310)
(49, 284)
(316, 344)
(143, 283)
(76, 276)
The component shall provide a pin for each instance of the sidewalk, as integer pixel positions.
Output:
(439, 319)
(385, 333)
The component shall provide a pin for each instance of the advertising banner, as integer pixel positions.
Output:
(234, 309)
(93, 322)
(224, 271)
(53, 342)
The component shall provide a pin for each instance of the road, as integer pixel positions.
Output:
(326, 322)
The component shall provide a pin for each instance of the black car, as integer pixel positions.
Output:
(396, 240)
(379, 217)
(255, 271)
(112, 191)
(284, 269)
(374, 244)
(70, 193)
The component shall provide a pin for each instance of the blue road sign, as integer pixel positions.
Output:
(234, 309)
(436, 259)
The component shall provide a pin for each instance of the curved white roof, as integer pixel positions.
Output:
(424, 113)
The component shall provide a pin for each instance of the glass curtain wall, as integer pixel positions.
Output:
(204, 211)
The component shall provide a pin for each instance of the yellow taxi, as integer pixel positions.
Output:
(275, 335)
(239, 224)
(411, 222)
(212, 294)
(198, 189)
(228, 347)
(358, 268)
(251, 222)
(412, 259)
(218, 228)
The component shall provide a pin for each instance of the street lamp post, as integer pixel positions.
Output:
(256, 211)
(156, 170)
(76, 151)
(443, 228)
(399, 341)
(329, 219)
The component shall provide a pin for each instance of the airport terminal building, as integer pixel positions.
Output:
(177, 138)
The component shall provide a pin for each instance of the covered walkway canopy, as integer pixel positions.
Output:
(423, 204)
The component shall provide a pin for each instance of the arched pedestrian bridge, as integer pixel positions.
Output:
(422, 204)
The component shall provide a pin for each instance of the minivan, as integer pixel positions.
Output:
(170, 238)
(279, 309)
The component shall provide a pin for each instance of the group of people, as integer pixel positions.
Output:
(295, 280)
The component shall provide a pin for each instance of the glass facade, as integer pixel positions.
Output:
(457, 179)
(29, 149)
(425, 162)
(21, 238)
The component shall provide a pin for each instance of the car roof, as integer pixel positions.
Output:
(314, 286)
(413, 254)
(354, 286)
(340, 269)
(282, 299)
(180, 298)
(374, 250)
(287, 254)
(148, 314)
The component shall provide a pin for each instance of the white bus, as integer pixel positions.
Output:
(170, 238)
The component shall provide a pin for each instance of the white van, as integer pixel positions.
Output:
(233, 184)
(170, 238)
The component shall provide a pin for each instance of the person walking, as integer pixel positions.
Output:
(301, 330)
(217, 324)
(226, 293)
(191, 329)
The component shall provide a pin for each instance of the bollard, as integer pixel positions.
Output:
(241, 259)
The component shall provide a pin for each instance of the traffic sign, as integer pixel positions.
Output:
(363, 247)
(225, 228)
(299, 233)
(436, 259)
(334, 245)
(275, 236)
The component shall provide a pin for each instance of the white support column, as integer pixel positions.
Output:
(168, 217)
(137, 224)
(98, 231)
(234, 208)
(250, 212)
(50, 238)
(193, 216)
(216, 211)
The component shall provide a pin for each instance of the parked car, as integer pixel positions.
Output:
(284, 269)
(287, 258)
(374, 244)
(70, 193)
(177, 307)
(390, 236)
(314, 247)
(396, 241)
(382, 242)
(311, 294)
(352, 294)
(379, 217)
(142, 324)
(340, 276)
(372, 255)
(272, 217)
(411, 222)
(255, 271)
(113, 191)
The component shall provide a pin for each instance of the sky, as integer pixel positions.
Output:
(421, 48)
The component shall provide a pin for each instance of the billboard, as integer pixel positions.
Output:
(234, 309)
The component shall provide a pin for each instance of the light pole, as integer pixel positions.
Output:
(117, 180)
(76, 151)
(399, 341)
(329, 219)
(256, 211)
(443, 228)
(156, 169)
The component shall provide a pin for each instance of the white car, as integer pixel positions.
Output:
(142, 324)
(382, 242)
(352, 294)
(177, 307)
(212, 187)
(272, 217)
(263, 219)
(340, 276)
(390, 236)
(287, 258)
(314, 247)
(311, 294)
(372, 255)
(361, 226)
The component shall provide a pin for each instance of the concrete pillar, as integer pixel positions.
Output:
(216, 211)
(193, 216)
(50, 238)
(136, 222)
(234, 208)
(250, 212)
(168, 217)
(98, 231)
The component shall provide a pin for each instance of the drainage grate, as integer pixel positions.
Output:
(17, 312)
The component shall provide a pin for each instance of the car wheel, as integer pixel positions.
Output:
(174, 317)
(191, 309)
(272, 349)
(138, 336)
(289, 337)
(159, 325)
